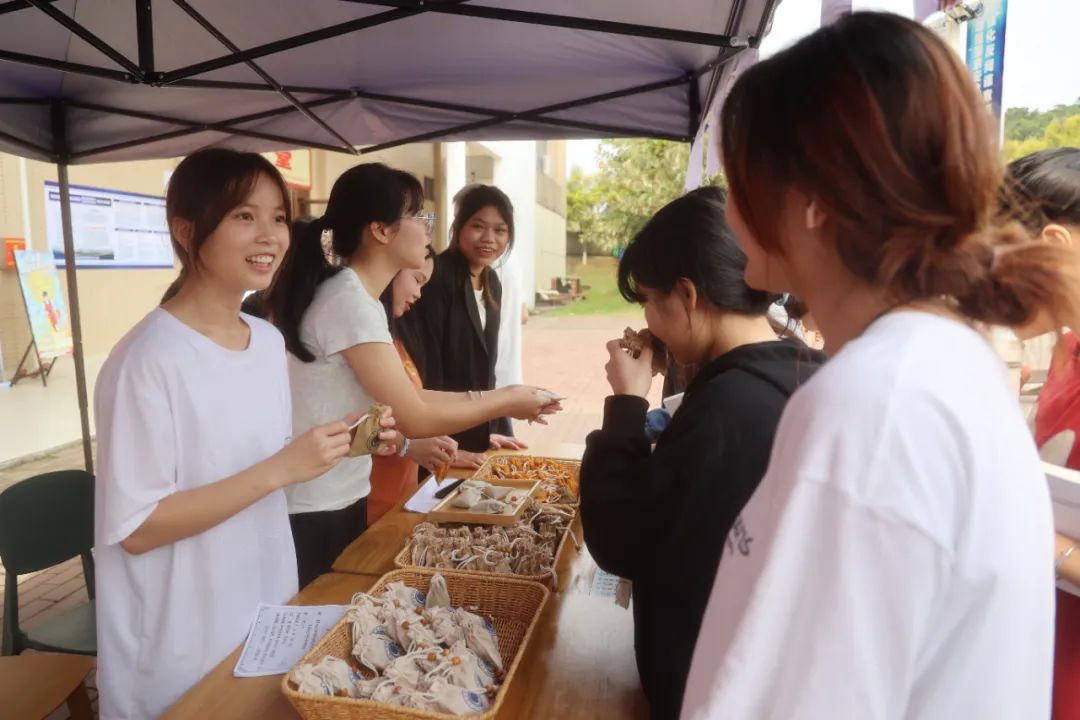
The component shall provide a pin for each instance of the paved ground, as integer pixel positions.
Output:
(564, 354)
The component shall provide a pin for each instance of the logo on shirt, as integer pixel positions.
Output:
(739, 539)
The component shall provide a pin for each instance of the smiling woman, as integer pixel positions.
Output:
(193, 427)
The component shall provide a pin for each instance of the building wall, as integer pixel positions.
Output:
(515, 174)
(111, 301)
(550, 247)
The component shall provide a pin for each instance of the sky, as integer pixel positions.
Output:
(1042, 54)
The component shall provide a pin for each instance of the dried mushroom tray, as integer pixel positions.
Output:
(512, 604)
(565, 473)
(404, 558)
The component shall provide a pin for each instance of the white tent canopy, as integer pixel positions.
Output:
(109, 80)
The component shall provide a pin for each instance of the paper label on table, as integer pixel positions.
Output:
(281, 635)
(424, 500)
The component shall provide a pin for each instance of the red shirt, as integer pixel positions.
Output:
(1057, 420)
(1058, 411)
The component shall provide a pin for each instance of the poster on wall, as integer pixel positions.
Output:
(111, 229)
(50, 323)
(986, 53)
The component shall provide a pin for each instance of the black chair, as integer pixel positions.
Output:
(45, 520)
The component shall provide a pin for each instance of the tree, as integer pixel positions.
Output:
(1028, 131)
(635, 179)
(1026, 124)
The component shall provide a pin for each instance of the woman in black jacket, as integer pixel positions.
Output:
(452, 332)
(662, 517)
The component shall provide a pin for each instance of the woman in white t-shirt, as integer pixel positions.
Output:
(342, 353)
(193, 429)
(897, 559)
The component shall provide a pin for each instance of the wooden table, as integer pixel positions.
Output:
(220, 695)
(32, 686)
(579, 664)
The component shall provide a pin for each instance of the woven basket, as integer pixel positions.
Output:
(404, 559)
(514, 606)
(486, 471)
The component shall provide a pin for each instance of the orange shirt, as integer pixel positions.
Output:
(393, 478)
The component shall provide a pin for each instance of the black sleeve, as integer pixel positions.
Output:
(502, 426)
(427, 320)
(614, 478)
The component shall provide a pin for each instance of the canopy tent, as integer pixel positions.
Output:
(112, 80)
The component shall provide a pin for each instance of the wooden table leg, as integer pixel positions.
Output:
(78, 703)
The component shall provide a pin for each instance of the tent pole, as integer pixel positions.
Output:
(59, 123)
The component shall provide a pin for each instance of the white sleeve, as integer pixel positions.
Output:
(346, 318)
(834, 623)
(136, 449)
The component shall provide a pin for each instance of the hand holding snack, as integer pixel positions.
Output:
(634, 342)
(630, 369)
(530, 403)
(373, 433)
(469, 460)
(432, 453)
(313, 453)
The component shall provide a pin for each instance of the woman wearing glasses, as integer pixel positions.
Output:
(342, 357)
(454, 327)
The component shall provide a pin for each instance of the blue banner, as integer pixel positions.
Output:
(986, 52)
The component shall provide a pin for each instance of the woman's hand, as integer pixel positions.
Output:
(529, 403)
(433, 452)
(314, 453)
(469, 460)
(628, 375)
(390, 440)
(506, 442)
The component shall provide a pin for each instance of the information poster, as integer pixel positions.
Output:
(50, 322)
(110, 229)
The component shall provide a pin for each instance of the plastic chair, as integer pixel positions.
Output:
(45, 520)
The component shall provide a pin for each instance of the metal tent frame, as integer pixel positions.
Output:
(143, 72)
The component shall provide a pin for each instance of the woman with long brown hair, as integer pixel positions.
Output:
(897, 559)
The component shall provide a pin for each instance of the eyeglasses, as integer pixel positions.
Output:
(427, 218)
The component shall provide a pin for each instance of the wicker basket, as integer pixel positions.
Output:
(515, 606)
(486, 471)
(404, 559)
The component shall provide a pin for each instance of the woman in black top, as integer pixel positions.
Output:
(452, 333)
(661, 517)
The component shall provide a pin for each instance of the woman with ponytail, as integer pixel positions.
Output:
(193, 428)
(342, 354)
(896, 560)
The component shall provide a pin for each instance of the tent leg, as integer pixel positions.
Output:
(76, 322)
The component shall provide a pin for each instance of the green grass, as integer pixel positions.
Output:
(602, 297)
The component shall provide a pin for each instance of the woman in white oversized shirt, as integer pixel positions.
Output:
(194, 447)
(896, 560)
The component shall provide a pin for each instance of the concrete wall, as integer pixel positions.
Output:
(111, 301)
(550, 247)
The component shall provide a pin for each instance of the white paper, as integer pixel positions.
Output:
(423, 500)
(280, 636)
(1065, 493)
